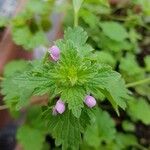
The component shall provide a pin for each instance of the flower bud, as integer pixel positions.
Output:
(54, 52)
(60, 106)
(90, 101)
(54, 111)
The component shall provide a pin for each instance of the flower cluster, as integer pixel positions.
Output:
(59, 107)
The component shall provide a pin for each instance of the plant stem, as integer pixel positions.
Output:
(3, 107)
(138, 82)
(75, 19)
(140, 147)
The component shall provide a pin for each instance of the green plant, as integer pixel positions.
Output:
(71, 70)
(73, 77)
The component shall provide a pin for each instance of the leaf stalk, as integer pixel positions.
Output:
(132, 84)
(75, 19)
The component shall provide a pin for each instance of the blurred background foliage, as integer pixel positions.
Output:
(30, 25)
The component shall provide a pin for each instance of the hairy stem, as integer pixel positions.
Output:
(2, 107)
(138, 83)
(75, 19)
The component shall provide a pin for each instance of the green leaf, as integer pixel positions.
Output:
(129, 61)
(139, 109)
(134, 36)
(11, 97)
(15, 67)
(92, 20)
(20, 34)
(23, 36)
(108, 44)
(104, 57)
(114, 30)
(28, 81)
(30, 138)
(15, 97)
(74, 97)
(137, 73)
(32, 128)
(20, 84)
(116, 93)
(77, 35)
(102, 129)
(128, 126)
(66, 128)
(125, 140)
(112, 86)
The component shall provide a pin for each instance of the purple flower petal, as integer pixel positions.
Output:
(90, 101)
(54, 52)
(60, 106)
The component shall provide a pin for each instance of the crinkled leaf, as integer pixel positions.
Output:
(112, 86)
(74, 97)
(66, 128)
(77, 35)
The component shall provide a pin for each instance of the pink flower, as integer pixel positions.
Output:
(54, 52)
(59, 107)
(90, 101)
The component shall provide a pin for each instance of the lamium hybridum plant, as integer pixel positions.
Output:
(73, 81)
